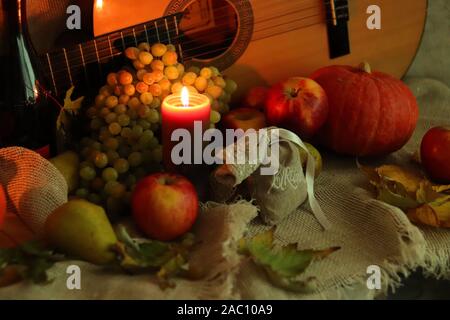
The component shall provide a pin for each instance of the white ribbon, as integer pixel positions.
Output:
(310, 176)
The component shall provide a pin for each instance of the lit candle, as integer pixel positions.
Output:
(182, 111)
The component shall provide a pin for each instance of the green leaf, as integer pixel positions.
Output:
(32, 259)
(168, 258)
(282, 264)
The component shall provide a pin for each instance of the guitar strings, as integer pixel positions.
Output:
(118, 37)
(93, 57)
(132, 41)
(128, 40)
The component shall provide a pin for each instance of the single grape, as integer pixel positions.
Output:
(220, 82)
(171, 72)
(177, 87)
(118, 90)
(147, 132)
(106, 91)
(189, 79)
(144, 124)
(155, 90)
(132, 53)
(149, 78)
(145, 57)
(109, 186)
(125, 78)
(129, 89)
(137, 131)
(201, 84)
(138, 65)
(115, 128)
(214, 91)
(206, 73)
(157, 65)
(158, 75)
(170, 58)
(123, 120)
(171, 47)
(110, 118)
(215, 71)
(110, 174)
(231, 86)
(153, 143)
(112, 79)
(141, 87)
(180, 68)
(144, 46)
(111, 144)
(120, 109)
(156, 103)
(146, 98)
(159, 49)
(87, 173)
(111, 102)
(165, 84)
(143, 111)
(215, 117)
(134, 103)
(153, 116)
(135, 159)
(101, 160)
(123, 99)
(100, 100)
(140, 74)
(126, 132)
(121, 165)
(82, 193)
(118, 191)
(85, 164)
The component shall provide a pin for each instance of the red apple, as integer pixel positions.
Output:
(256, 98)
(298, 104)
(244, 118)
(165, 206)
(435, 154)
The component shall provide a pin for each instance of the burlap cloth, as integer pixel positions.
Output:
(369, 232)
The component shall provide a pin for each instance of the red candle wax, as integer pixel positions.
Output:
(179, 113)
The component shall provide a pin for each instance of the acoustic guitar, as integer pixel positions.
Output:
(254, 41)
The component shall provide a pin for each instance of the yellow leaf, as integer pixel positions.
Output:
(424, 202)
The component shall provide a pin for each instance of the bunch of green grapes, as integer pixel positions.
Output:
(124, 146)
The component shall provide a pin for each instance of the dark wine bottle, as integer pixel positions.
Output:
(27, 116)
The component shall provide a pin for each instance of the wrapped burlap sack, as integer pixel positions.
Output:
(33, 185)
(278, 192)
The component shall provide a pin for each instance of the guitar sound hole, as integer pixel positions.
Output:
(210, 28)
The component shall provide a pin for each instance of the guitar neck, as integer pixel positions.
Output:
(87, 63)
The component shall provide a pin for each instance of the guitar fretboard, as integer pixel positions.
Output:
(87, 63)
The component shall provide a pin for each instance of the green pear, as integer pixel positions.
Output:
(67, 163)
(82, 229)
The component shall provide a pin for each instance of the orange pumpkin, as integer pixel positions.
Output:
(2, 205)
(371, 113)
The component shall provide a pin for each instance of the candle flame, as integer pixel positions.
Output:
(185, 96)
(99, 4)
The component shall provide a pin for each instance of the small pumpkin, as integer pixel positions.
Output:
(371, 113)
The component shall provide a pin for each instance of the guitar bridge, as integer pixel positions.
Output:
(337, 15)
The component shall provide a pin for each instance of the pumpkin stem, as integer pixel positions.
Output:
(365, 66)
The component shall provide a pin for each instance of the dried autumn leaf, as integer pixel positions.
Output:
(424, 202)
(283, 264)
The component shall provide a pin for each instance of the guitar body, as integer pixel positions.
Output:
(278, 39)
